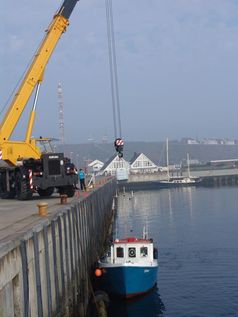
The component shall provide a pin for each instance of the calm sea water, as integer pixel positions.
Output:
(196, 232)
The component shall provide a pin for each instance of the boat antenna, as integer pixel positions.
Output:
(116, 231)
(146, 228)
(145, 232)
(114, 204)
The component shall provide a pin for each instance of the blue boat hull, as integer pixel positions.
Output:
(129, 281)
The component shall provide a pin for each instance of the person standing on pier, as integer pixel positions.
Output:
(82, 179)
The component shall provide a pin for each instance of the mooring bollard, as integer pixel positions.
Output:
(42, 209)
(63, 199)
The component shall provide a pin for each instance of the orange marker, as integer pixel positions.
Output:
(98, 272)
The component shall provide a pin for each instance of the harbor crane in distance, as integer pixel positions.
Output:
(30, 165)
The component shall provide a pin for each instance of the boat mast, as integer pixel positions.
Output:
(188, 165)
(167, 156)
(145, 231)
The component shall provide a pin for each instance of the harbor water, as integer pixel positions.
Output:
(195, 231)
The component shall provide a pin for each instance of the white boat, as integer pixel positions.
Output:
(130, 268)
(178, 181)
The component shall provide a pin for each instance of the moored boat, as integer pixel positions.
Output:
(130, 268)
(179, 182)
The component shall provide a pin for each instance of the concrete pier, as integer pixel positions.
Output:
(45, 265)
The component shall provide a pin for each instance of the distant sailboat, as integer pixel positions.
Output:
(179, 180)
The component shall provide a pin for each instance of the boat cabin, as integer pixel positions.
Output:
(131, 250)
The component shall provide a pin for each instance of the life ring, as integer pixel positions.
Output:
(132, 252)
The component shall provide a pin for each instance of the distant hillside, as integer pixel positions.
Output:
(156, 151)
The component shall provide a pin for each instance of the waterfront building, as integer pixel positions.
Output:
(111, 166)
(140, 163)
(95, 166)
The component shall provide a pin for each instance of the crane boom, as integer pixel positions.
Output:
(24, 169)
(67, 8)
(33, 76)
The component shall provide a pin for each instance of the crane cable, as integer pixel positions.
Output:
(17, 85)
(113, 69)
(6, 103)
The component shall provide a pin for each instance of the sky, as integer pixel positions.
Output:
(177, 68)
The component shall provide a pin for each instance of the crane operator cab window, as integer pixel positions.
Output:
(45, 145)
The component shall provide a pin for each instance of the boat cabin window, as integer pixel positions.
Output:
(120, 252)
(143, 251)
(132, 252)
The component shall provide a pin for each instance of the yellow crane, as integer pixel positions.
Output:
(24, 169)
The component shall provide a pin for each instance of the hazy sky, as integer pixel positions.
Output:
(177, 67)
